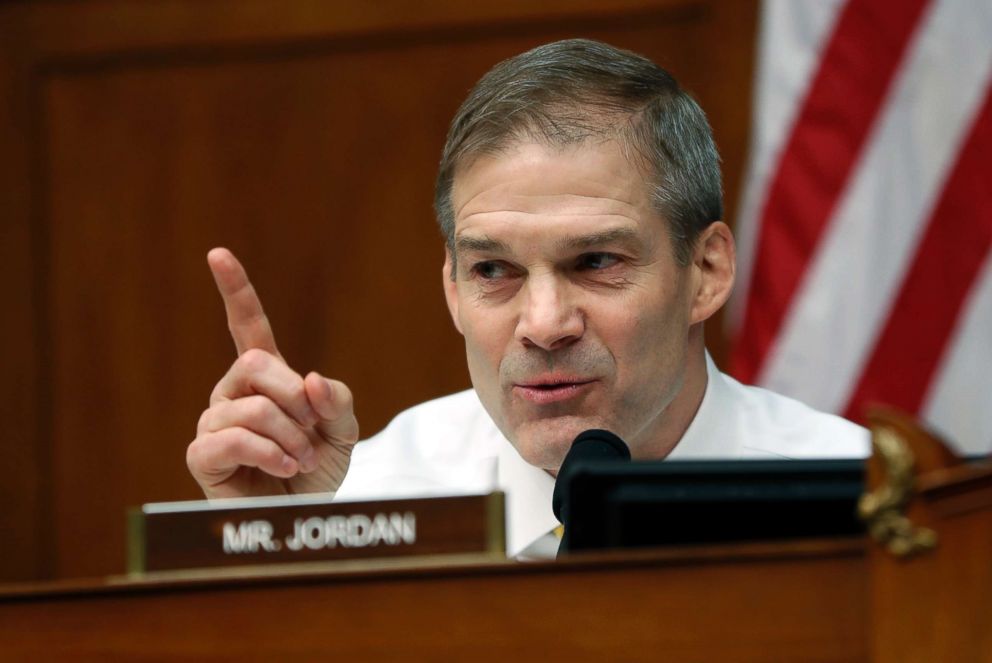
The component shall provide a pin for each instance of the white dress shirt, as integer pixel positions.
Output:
(451, 446)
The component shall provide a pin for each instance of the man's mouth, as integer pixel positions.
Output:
(544, 391)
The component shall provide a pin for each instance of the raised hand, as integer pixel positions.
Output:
(268, 430)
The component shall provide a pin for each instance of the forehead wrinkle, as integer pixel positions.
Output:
(578, 204)
(627, 236)
(508, 217)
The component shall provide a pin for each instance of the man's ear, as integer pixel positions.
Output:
(450, 288)
(714, 265)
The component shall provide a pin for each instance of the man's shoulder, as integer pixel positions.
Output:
(769, 423)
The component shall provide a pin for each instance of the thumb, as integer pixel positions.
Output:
(333, 403)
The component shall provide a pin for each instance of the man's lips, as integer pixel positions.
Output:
(556, 389)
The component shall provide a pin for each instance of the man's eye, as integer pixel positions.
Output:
(593, 261)
(489, 270)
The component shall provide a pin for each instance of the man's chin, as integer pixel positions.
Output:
(544, 442)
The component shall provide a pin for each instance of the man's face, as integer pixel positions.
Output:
(574, 311)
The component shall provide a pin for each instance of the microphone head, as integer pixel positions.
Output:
(591, 445)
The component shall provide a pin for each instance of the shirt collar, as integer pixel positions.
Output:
(528, 499)
(709, 434)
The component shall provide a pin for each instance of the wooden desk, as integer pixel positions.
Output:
(802, 601)
(921, 592)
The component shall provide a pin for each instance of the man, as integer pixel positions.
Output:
(579, 195)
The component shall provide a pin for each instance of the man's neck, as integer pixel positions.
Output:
(682, 410)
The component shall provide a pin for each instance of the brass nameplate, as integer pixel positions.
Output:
(278, 530)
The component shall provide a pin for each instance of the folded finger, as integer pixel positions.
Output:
(214, 457)
(258, 372)
(261, 415)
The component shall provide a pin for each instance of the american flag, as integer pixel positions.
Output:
(866, 225)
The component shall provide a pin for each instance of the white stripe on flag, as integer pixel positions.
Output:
(860, 263)
(959, 404)
(791, 40)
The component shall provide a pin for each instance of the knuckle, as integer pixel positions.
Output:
(237, 442)
(255, 360)
(217, 395)
(192, 456)
(203, 423)
(259, 409)
(196, 455)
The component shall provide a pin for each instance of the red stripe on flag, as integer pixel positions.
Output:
(947, 261)
(856, 69)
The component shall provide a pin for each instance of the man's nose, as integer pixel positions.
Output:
(548, 318)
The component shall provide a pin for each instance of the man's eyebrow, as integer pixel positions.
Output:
(627, 236)
(482, 244)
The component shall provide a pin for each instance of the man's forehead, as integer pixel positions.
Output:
(581, 179)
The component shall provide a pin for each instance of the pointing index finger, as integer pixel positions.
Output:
(246, 320)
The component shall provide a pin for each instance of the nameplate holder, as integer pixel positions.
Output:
(285, 529)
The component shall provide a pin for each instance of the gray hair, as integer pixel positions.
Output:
(570, 91)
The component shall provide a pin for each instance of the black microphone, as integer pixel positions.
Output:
(590, 446)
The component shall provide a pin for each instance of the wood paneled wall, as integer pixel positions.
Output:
(134, 136)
